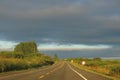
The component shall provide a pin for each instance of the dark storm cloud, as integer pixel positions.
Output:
(62, 21)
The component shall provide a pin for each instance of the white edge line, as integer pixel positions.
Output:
(77, 72)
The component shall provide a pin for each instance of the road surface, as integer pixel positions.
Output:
(60, 71)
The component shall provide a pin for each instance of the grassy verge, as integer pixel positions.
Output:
(14, 64)
(22, 71)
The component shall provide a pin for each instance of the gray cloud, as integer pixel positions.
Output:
(63, 21)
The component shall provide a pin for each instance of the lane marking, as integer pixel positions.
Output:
(47, 73)
(51, 71)
(77, 72)
(41, 76)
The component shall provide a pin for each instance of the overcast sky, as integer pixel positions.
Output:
(62, 24)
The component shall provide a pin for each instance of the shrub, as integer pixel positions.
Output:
(115, 70)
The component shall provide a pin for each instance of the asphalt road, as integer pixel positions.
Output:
(60, 71)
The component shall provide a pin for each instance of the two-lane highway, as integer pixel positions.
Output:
(60, 71)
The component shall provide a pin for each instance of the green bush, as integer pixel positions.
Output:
(10, 54)
(2, 67)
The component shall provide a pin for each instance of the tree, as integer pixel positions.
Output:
(56, 57)
(26, 47)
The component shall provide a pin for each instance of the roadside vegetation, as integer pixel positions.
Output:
(107, 67)
(24, 56)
